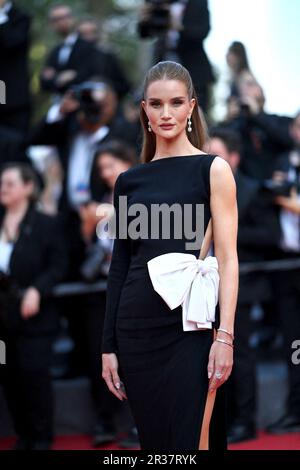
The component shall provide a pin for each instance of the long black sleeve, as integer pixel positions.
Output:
(54, 133)
(116, 277)
(48, 84)
(196, 21)
(276, 128)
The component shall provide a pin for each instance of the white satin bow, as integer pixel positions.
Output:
(183, 279)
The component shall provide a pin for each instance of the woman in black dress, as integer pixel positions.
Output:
(169, 374)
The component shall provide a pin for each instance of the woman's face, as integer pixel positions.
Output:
(12, 189)
(110, 167)
(168, 107)
(232, 60)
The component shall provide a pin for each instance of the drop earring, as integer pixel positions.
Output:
(149, 126)
(189, 125)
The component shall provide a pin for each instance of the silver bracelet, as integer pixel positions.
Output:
(226, 331)
(224, 342)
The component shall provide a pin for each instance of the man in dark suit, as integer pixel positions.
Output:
(265, 136)
(14, 41)
(258, 235)
(106, 63)
(72, 61)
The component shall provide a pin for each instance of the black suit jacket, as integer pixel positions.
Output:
(258, 235)
(11, 146)
(89, 62)
(38, 260)
(196, 26)
(81, 59)
(14, 42)
(107, 66)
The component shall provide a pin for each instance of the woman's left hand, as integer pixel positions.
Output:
(30, 304)
(219, 365)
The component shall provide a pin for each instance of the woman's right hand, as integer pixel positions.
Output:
(30, 304)
(110, 375)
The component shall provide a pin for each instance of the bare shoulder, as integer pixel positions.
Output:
(221, 171)
(220, 167)
(222, 182)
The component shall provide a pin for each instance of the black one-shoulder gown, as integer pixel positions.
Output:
(164, 369)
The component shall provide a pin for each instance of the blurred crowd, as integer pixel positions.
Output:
(57, 172)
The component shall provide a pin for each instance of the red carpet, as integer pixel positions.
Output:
(263, 442)
(268, 442)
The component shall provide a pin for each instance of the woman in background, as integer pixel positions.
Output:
(32, 262)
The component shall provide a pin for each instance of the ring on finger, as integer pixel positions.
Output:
(218, 375)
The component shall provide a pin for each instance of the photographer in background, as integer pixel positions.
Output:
(112, 158)
(265, 136)
(287, 283)
(180, 28)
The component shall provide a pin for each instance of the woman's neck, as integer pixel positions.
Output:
(170, 147)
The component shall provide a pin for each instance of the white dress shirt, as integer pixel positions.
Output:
(4, 10)
(176, 12)
(66, 48)
(290, 223)
(80, 165)
(6, 249)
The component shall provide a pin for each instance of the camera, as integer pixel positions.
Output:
(92, 267)
(89, 95)
(244, 109)
(158, 21)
